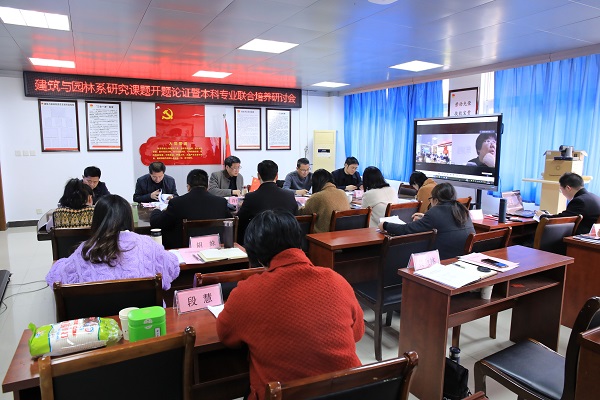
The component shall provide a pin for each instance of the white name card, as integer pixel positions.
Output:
(424, 260)
(205, 242)
(595, 230)
(476, 215)
(198, 298)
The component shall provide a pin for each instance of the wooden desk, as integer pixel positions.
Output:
(583, 278)
(219, 372)
(523, 231)
(588, 385)
(142, 226)
(353, 253)
(534, 290)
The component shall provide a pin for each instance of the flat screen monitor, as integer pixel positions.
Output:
(462, 150)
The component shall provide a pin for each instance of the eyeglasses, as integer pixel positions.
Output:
(303, 170)
(235, 168)
(490, 141)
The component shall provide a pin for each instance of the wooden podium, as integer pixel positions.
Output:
(552, 199)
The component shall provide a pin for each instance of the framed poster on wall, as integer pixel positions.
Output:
(279, 129)
(463, 102)
(247, 128)
(59, 125)
(103, 126)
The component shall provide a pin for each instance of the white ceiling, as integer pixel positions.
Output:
(350, 41)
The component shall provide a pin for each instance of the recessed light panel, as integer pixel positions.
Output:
(36, 19)
(43, 62)
(330, 84)
(212, 74)
(268, 46)
(416, 66)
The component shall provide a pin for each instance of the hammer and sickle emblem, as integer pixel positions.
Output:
(167, 114)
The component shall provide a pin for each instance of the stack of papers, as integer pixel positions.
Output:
(588, 238)
(450, 275)
(477, 259)
(221, 254)
(392, 220)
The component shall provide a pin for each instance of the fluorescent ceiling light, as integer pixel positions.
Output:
(416, 66)
(330, 84)
(52, 63)
(382, 1)
(267, 46)
(212, 74)
(34, 19)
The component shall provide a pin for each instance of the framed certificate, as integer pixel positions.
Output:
(59, 125)
(247, 128)
(463, 102)
(103, 126)
(279, 132)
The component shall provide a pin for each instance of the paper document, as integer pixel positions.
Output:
(449, 275)
(216, 310)
(588, 238)
(482, 260)
(180, 259)
(392, 220)
(221, 254)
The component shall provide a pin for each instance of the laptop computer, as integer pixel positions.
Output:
(514, 205)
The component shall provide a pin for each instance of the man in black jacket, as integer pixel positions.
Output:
(581, 202)
(268, 196)
(196, 204)
(91, 177)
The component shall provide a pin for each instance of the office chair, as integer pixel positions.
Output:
(384, 294)
(532, 370)
(478, 243)
(201, 227)
(384, 380)
(307, 224)
(105, 298)
(66, 240)
(350, 219)
(465, 201)
(227, 279)
(404, 211)
(551, 231)
(156, 368)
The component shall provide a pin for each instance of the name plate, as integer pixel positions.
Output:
(205, 242)
(424, 260)
(359, 193)
(595, 230)
(233, 200)
(198, 298)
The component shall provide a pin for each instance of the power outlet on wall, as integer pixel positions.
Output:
(39, 211)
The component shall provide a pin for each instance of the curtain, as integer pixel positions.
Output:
(378, 125)
(545, 106)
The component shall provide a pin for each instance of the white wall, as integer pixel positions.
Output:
(32, 183)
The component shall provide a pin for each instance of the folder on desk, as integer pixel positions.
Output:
(450, 275)
(221, 254)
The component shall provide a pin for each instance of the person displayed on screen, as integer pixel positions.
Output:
(485, 145)
(325, 199)
(378, 194)
(297, 319)
(114, 251)
(227, 182)
(581, 202)
(149, 187)
(74, 207)
(91, 177)
(424, 186)
(348, 178)
(449, 217)
(300, 180)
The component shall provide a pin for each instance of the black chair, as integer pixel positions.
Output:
(550, 233)
(66, 240)
(105, 298)
(532, 370)
(350, 219)
(384, 380)
(307, 224)
(405, 190)
(201, 227)
(227, 279)
(384, 294)
(478, 243)
(156, 368)
(404, 211)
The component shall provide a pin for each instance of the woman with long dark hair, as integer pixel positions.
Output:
(74, 207)
(424, 186)
(378, 194)
(449, 217)
(324, 200)
(114, 251)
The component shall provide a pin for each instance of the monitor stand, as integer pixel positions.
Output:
(478, 199)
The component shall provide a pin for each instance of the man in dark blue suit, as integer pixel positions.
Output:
(196, 204)
(581, 202)
(268, 196)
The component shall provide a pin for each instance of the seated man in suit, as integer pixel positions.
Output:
(196, 204)
(300, 180)
(348, 178)
(149, 187)
(268, 196)
(580, 202)
(228, 182)
(91, 177)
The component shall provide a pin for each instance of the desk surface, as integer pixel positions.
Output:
(346, 239)
(23, 370)
(489, 224)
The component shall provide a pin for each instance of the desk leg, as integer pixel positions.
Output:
(320, 256)
(424, 328)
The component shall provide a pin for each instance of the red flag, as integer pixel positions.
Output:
(227, 146)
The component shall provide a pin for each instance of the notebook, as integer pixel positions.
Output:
(514, 205)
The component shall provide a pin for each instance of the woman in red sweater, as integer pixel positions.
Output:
(297, 319)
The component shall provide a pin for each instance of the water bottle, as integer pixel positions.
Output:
(502, 211)
(228, 234)
(134, 211)
(455, 354)
(156, 234)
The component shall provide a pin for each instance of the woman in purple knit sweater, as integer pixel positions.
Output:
(114, 251)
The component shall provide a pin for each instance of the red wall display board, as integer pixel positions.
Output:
(180, 137)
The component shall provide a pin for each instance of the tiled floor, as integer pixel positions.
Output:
(29, 300)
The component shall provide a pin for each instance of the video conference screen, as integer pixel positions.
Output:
(465, 150)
